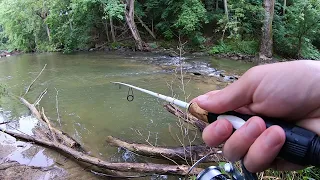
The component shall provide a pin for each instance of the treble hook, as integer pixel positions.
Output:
(130, 96)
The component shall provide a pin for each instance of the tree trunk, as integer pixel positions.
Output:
(70, 24)
(48, 32)
(107, 30)
(217, 5)
(129, 13)
(225, 2)
(112, 30)
(284, 6)
(299, 46)
(44, 15)
(146, 27)
(267, 40)
(152, 26)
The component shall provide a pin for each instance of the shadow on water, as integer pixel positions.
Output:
(91, 108)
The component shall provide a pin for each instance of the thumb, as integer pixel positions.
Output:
(232, 97)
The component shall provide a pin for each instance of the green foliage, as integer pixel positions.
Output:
(236, 46)
(174, 17)
(113, 8)
(3, 39)
(198, 40)
(115, 45)
(310, 173)
(68, 25)
(308, 51)
(70, 22)
(19, 26)
(192, 14)
(245, 19)
(295, 32)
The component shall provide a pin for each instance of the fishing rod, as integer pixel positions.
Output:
(193, 108)
(301, 147)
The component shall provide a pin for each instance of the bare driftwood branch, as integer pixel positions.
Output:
(53, 134)
(188, 118)
(57, 106)
(62, 136)
(5, 122)
(32, 108)
(180, 153)
(40, 97)
(123, 167)
(29, 87)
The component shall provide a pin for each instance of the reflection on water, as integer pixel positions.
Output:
(91, 108)
(21, 152)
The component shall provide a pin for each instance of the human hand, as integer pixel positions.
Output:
(289, 90)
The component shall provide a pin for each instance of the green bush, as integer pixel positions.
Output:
(250, 47)
(295, 31)
(198, 40)
(310, 52)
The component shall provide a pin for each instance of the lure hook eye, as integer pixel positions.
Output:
(130, 96)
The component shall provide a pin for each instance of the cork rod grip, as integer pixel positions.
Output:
(198, 112)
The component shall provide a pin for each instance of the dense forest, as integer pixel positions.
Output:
(285, 28)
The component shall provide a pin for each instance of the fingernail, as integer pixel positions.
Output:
(202, 98)
(273, 138)
(253, 130)
(221, 129)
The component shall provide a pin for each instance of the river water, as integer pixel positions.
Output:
(90, 108)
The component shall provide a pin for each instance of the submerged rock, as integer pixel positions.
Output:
(7, 53)
(14, 170)
(194, 67)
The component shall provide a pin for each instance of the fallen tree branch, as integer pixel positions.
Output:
(5, 122)
(146, 27)
(188, 118)
(29, 87)
(52, 131)
(123, 167)
(40, 97)
(180, 153)
(57, 106)
(32, 108)
(62, 136)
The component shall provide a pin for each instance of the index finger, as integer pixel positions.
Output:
(234, 96)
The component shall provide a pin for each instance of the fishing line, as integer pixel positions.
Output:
(130, 96)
